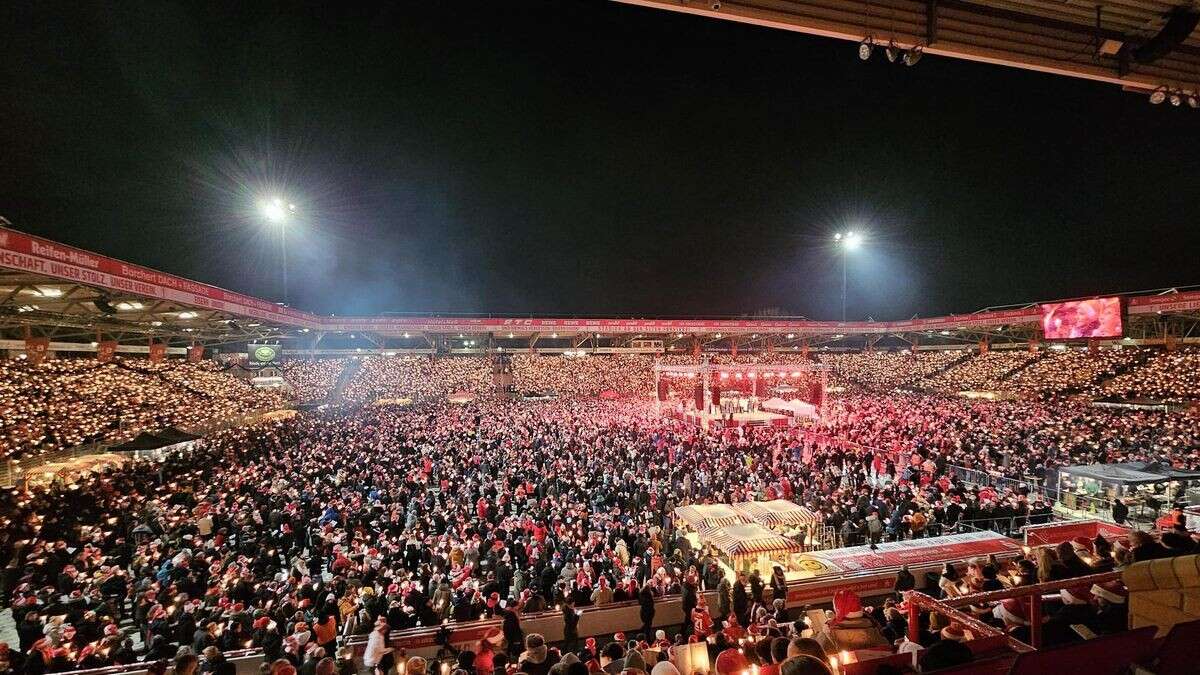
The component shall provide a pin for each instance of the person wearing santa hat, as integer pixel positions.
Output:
(1112, 607)
(851, 628)
(731, 662)
(949, 650)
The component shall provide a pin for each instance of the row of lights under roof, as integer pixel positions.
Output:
(1175, 96)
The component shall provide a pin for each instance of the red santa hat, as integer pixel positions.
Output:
(262, 622)
(1013, 611)
(846, 605)
(493, 599)
(1113, 591)
(954, 632)
(731, 662)
(1081, 544)
(1078, 595)
(619, 637)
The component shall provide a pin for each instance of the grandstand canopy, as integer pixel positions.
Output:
(68, 294)
(1137, 44)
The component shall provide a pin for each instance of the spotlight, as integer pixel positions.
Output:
(913, 55)
(892, 52)
(1158, 96)
(1175, 99)
(866, 47)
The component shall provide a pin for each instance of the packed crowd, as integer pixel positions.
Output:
(1013, 438)
(418, 377)
(313, 379)
(287, 534)
(1168, 376)
(886, 370)
(584, 375)
(1070, 370)
(274, 532)
(62, 403)
(749, 628)
(983, 372)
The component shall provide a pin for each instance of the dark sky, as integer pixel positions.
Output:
(572, 156)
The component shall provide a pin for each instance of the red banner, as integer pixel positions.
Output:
(158, 351)
(105, 351)
(1056, 533)
(36, 349)
(195, 353)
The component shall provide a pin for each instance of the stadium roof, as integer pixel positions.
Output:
(62, 292)
(1138, 44)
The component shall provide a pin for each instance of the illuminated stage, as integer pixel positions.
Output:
(708, 420)
(776, 395)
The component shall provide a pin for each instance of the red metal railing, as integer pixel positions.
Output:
(948, 607)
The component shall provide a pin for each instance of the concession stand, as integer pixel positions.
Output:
(703, 517)
(1147, 484)
(749, 546)
(67, 472)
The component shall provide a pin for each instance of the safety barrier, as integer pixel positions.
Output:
(917, 601)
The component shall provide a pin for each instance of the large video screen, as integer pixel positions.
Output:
(1097, 318)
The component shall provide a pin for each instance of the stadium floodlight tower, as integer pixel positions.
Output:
(277, 210)
(846, 242)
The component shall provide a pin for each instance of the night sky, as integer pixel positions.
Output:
(578, 157)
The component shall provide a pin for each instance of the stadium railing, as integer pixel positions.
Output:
(1035, 592)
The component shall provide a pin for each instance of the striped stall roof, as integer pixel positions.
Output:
(775, 513)
(705, 517)
(748, 539)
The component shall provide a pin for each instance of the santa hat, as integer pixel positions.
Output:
(1113, 591)
(954, 632)
(1081, 545)
(731, 662)
(590, 644)
(619, 637)
(111, 629)
(1013, 610)
(262, 622)
(493, 599)
(1079, 595)
(846, 605)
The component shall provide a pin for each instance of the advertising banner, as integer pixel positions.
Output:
(105, 351)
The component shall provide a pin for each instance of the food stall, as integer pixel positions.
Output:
(784, 517)
(1143, 485)
(66, 473)
(703, 517)
(744, 547)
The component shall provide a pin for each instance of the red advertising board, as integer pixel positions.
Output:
(36, 349)
(195, 353)
(158, 351)
(105, 351)
(1056, 533)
